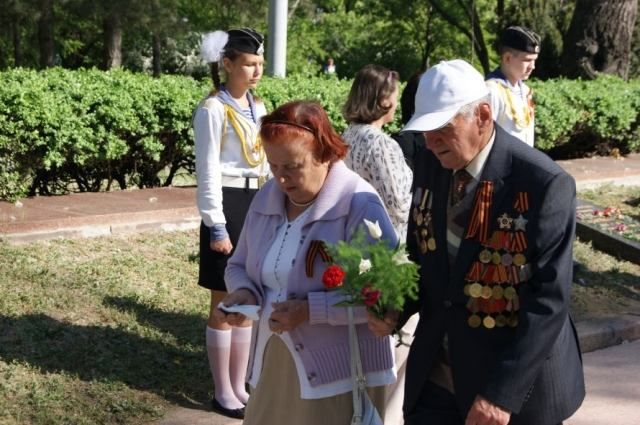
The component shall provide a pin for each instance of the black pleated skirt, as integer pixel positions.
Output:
(235, 204)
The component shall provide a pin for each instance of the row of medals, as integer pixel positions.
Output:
(422, 217)
(426, 242)
(477, 290)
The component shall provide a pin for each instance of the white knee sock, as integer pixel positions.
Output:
(240, 346)
(219, 351)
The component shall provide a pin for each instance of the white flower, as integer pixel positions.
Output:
(400, 257)
(365, 265)
(374, 229)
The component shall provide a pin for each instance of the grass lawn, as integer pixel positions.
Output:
(111, 330)
(101, 331)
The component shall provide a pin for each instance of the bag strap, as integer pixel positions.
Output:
(357, 376)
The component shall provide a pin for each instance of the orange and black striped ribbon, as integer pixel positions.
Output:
(316, 247)
(519, 243)
(502, 274)
(475, 273)
(514, 275)
(522, 202)
(479, 225)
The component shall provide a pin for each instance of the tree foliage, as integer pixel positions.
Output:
(163, 36)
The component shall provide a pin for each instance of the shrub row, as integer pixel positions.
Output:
(575, 118)
(87, 130)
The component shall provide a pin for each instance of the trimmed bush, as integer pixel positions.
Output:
(88, 130)
(64, 130)
(575, 117)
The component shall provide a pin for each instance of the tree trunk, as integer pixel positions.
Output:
(599, 38)
(112, 41)
(428, 45)
(474, 35)
(157, 50)
(18, 54)
(500, 14)
(479, 46)
(45, 34)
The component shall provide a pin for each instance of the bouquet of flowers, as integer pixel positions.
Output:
(371, 273)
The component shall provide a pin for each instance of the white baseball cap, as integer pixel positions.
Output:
(442, 91)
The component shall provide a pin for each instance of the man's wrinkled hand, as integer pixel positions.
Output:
(483, 412)
(385, 326)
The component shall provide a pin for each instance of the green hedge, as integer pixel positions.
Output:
(88, 130)
(66, 130)
(576, 117)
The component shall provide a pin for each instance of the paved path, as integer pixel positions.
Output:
(99, 214)
(613, 387)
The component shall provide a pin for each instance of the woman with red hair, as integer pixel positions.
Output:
(300, 365)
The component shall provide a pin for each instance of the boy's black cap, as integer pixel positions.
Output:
(520, 38)
(246, 40)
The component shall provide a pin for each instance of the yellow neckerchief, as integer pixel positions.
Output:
(254, 155)
(525, 117)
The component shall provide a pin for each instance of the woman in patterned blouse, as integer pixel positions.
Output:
(374, 155)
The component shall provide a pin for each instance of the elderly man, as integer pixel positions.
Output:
(492, 224)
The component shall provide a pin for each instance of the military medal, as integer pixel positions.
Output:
(474, 320)
(509, 293)
(513, 321)
(486, 292)
(520, 223)
(496, 258)
(497, 292)
(466, 289)
(423, 246)
(519, 259)
(501, 321)
(505, 221)
(475, 290)
(431, 244)
(489, 322)
(507, 259)
(485, 256)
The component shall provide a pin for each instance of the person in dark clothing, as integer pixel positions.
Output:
(411, 142)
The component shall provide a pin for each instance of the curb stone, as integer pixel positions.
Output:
(596, 334)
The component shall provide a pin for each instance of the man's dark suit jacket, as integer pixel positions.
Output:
(534, 369)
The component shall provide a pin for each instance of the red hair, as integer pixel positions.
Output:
(304, 120)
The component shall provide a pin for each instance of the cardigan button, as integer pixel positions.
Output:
(311, 377)
(299, 347)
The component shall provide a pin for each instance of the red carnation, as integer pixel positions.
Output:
(333, 276)
(371, 295)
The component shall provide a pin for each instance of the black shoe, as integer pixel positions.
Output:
(231, 413)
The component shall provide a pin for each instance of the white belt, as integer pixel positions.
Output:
(242, 182)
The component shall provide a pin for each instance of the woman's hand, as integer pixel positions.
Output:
(384, 326)
(288, 315)
(242, 297)
(223, 246)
